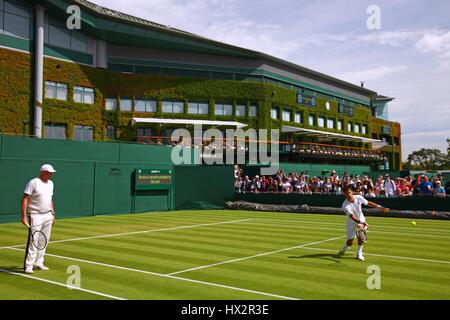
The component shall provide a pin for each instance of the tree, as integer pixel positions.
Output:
(428, 159)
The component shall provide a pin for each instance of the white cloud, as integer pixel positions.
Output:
(424, 139)
(383, 38)
(371, 74)
(436, 41)
(191, 16)
(444, 134)
(250, 35)
(391, 38)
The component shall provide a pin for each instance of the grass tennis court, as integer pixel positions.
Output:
(228, 255)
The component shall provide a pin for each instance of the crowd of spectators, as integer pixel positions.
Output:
(383, 186)
(303, 149)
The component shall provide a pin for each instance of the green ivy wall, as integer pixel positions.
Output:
(16, 92)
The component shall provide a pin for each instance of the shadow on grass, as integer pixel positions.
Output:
(333, 257)
(10, 269)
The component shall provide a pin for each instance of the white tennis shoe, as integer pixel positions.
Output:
(360, 257)
(28, 271)
(41, 267)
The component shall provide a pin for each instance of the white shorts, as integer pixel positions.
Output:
(351, 230)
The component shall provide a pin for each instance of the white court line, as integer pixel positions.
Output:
(343, 226)
(62, 284)
(169, 276)
(254, 256)
(384, 256)
(379, 225)
(134, 232)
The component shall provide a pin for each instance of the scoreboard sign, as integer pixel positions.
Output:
(305, 99)
(153, 179)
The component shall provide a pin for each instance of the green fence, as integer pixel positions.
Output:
(13, 147)
(214, 186)
(96, 178)
(421, 203)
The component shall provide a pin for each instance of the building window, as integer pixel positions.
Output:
(311, 120)
(55, 90)
(286, 115)
(126, 104)
(83, 133)
(59, 37)
(321, 122)
(381, 110)
(169, 106)
(346, 108)
(16, 19)
(364, 129)
(349, 127)
(340, 125)
(83, 95)
(356, 128)
(110, 132)
(144, 132)
(223, 109)
(330, 123)
(253, 111)
(274, 113)
(57, 34)
(143, 105)
(240, 110)
(78, 41)
(386, 130)
(198, 108)
(111, 104)
(55, 132)
(298, 117)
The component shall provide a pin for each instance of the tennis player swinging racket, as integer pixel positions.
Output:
(356, 222)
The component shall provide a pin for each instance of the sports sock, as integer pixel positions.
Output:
(360, 247)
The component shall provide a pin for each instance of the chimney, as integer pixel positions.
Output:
(362, 84)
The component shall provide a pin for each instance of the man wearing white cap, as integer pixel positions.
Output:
(39, 213)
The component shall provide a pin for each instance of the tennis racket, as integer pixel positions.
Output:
(361, 234)
(38, 238)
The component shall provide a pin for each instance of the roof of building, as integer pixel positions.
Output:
(203, 42)
(383, 98)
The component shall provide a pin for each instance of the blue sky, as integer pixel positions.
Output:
(408, 58)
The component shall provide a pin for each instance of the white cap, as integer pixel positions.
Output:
(48, 168)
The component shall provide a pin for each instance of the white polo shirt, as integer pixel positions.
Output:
(41, 194)
(354, 208)
(285, 186)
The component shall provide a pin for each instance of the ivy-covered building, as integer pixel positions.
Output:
(123, 78)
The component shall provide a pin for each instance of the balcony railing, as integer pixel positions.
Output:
(316, 150)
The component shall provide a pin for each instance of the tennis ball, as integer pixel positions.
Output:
(413, 223)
